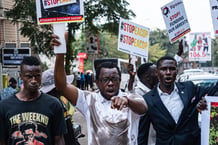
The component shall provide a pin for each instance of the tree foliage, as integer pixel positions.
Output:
(155, 52)
(24, 11)
(99, 15)
(161, 38)
(106, 14)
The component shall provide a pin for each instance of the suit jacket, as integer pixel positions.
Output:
(144, 123)
(143, 133)
(186, 131)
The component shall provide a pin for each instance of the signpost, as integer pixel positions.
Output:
(92, 43)
(14, 56)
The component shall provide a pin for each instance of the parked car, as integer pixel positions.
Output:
(186, 73)
(201, 79)
(191, 71)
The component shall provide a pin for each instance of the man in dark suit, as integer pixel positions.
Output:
(172, 106)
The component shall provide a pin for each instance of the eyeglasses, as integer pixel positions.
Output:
(106, 80)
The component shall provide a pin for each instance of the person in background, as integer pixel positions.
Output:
(82, 81)
(10, 90)
(112, 116)
(48, 87)
(20, 83)
(78, 78)
(91, 81)
(147, 81)
(31, 105)
(87, 81)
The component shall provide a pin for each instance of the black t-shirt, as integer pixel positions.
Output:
(37, 121)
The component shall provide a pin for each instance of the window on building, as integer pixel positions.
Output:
(24, 45)
(10, 45)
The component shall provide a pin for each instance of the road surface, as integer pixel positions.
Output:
(78, 118)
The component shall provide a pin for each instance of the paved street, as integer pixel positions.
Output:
(78, 118)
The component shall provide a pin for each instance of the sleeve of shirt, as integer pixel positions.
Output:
(178, 58)
(82, 101)
(137, 97)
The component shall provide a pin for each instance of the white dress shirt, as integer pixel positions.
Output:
(172, 102)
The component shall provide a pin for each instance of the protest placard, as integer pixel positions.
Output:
(59, 11)
(175, 19)
(133, 38)
(200, 46)
(214, 13)
(209, 125)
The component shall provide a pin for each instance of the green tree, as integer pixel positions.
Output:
(214, 48)
(161, 38)
(99, 15)
(155, 52)
(24, 11)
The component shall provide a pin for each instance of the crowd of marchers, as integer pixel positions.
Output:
(155, 110)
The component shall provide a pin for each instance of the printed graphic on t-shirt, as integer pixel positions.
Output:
(27, 128)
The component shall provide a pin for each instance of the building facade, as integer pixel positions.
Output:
(10, 37)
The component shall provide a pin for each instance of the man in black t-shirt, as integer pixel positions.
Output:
(30, 106)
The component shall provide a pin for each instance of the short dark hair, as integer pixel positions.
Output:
(143, 69)
(30, 60)
(12, 81)
(165, 58)
(106, 65)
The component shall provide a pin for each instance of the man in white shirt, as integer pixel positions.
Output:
(112, 116)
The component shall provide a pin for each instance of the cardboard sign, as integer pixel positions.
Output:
(133, 38)
(175, 19)
(209, 125)
(200, 47)
(214, 13)
(59, 11)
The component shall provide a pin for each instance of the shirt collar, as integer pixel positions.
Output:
(162, 93)
(142, 86)
(103, 100)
